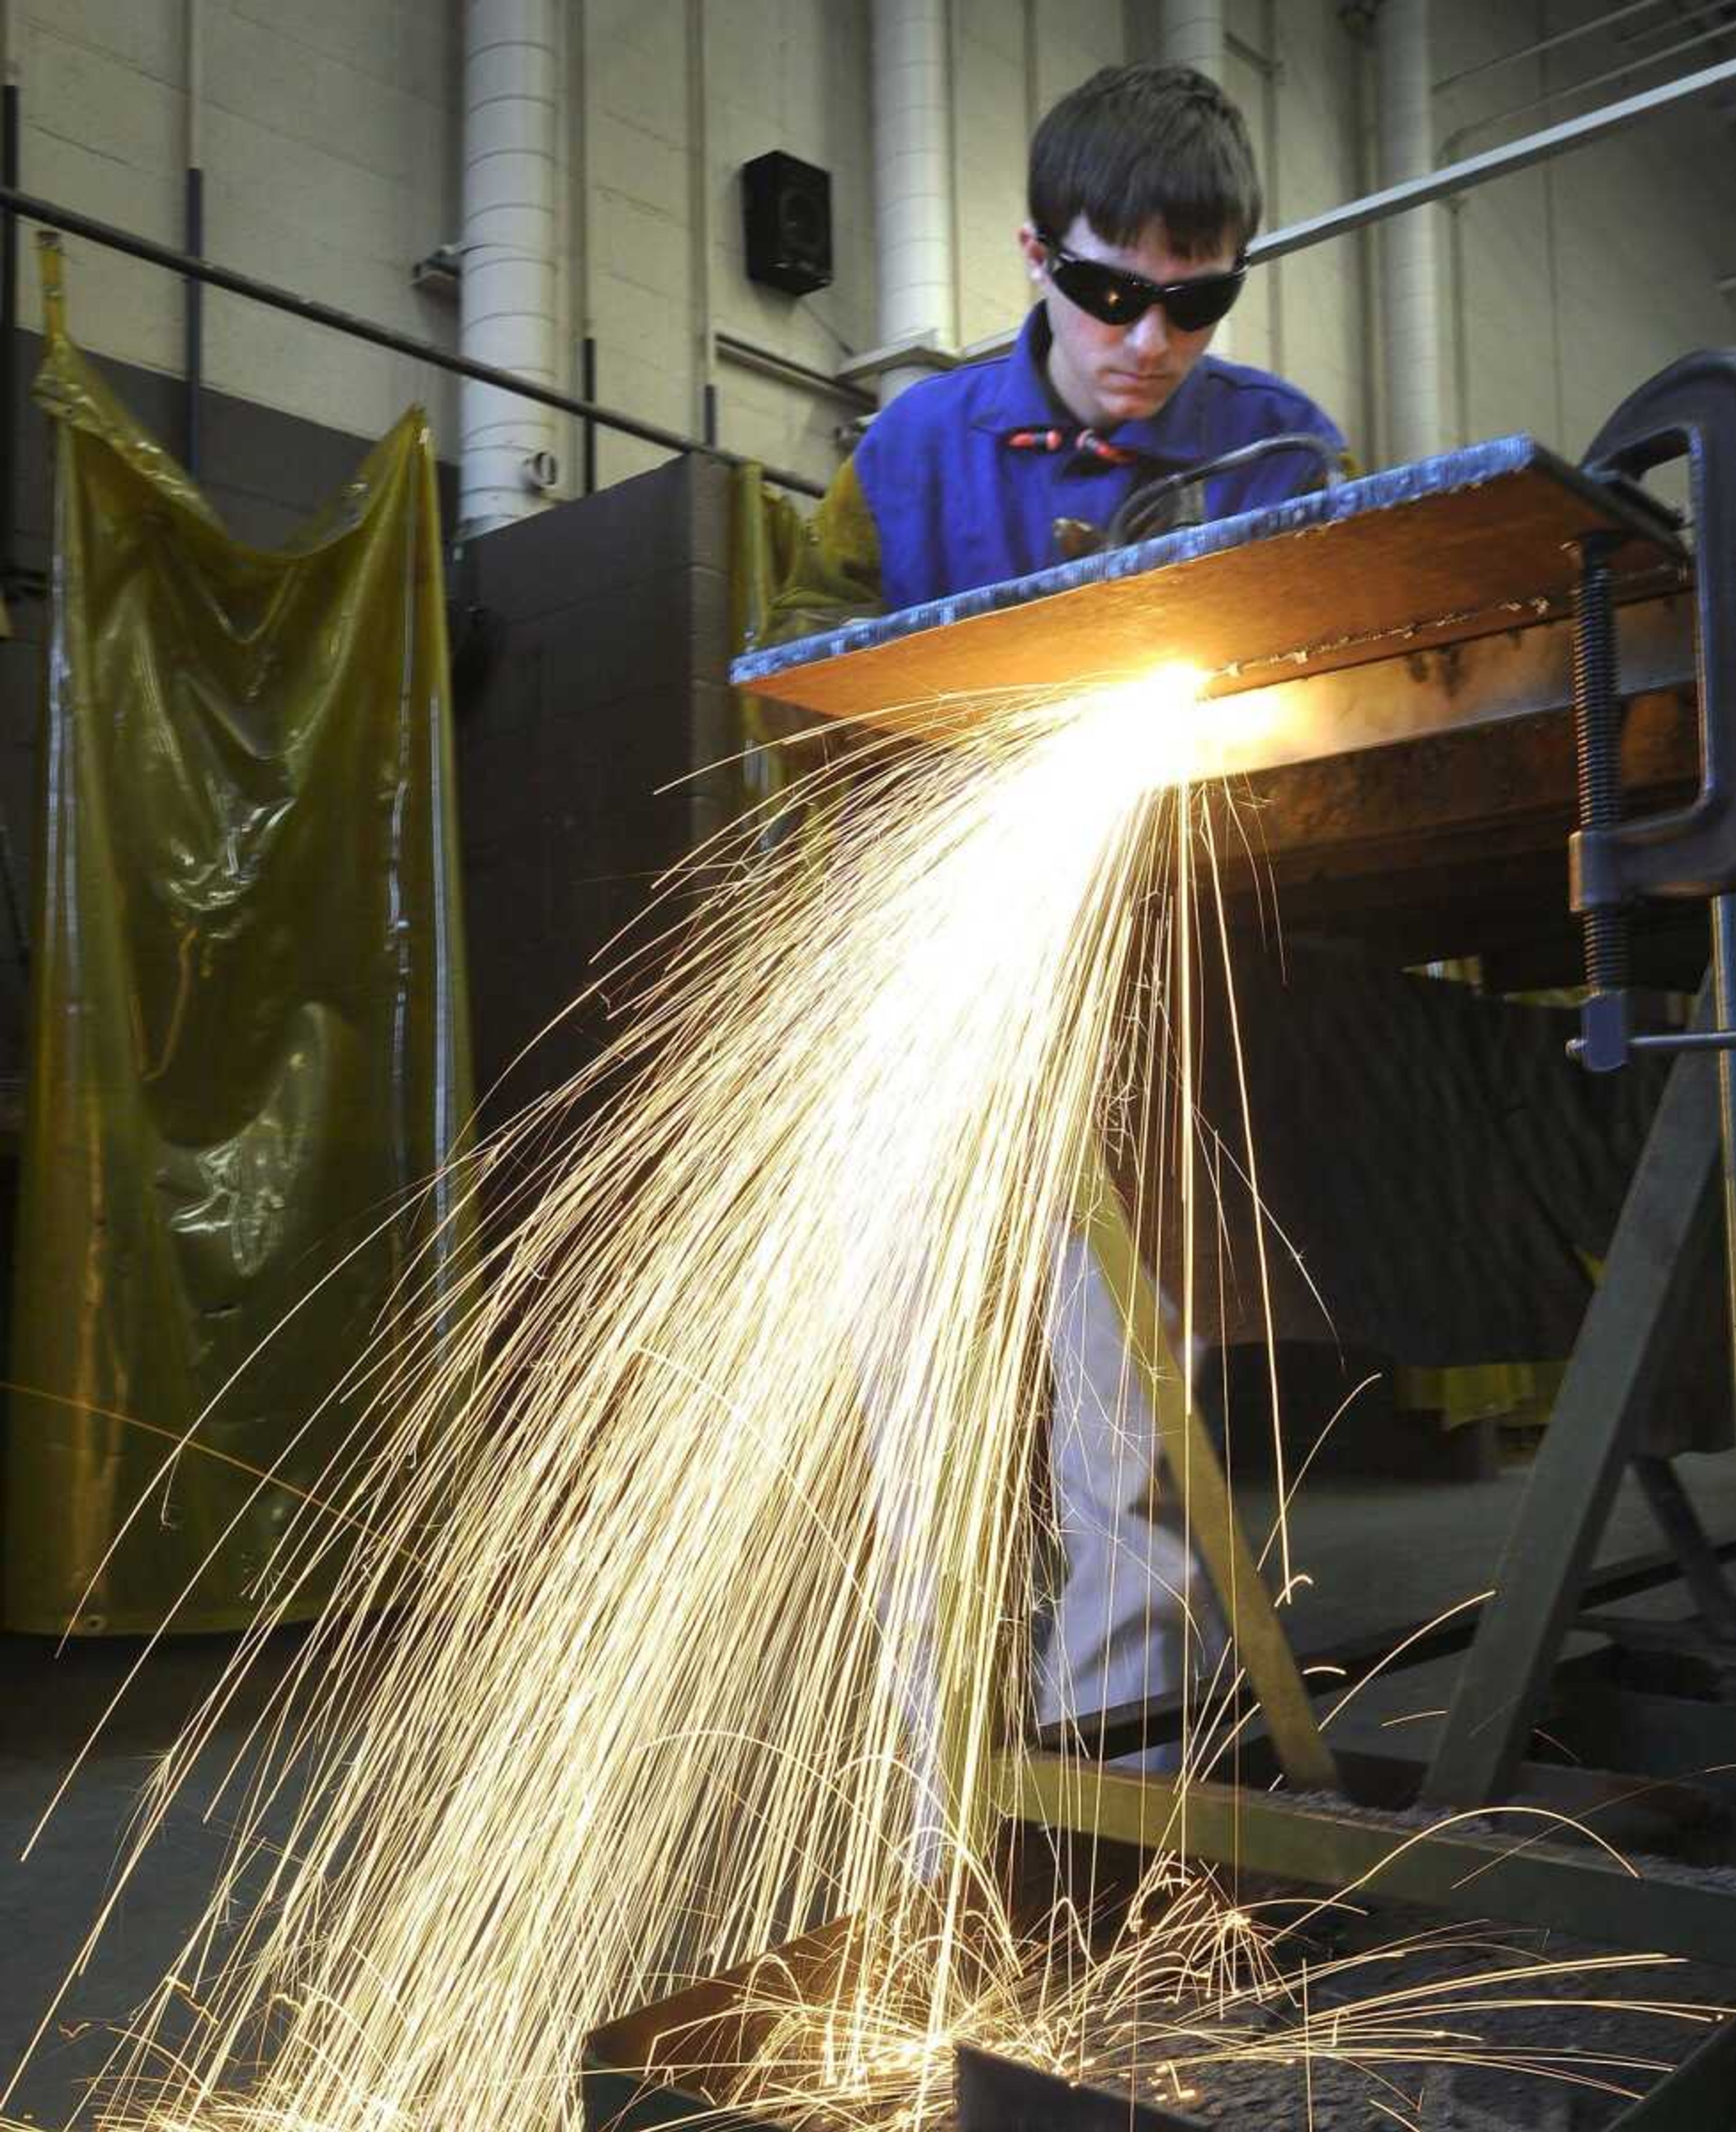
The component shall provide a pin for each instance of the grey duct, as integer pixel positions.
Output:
(507, 291)
(1191, 33)
(1409, 309)
(913, 189)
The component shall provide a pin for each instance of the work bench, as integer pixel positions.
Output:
(1432, 663)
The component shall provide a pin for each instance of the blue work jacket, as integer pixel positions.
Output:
(955, 506)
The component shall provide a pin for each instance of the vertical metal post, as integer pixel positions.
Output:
(587, 428)
(192, 297)
(1723, 1003)
(10, 120)
(193, 324)
(1597, 720)
(1630, 1333)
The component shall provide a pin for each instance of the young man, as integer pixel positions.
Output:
(1143, 199)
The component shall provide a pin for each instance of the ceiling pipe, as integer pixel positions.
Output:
(1409, 311)
(912, 193)
(1191, 34)
(507, 289)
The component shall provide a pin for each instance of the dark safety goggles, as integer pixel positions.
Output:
(1120, 299)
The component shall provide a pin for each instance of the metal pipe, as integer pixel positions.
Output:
(1410, 304)
(1271, 76)
(588, 385)
(192, 293)
(699, 218)
(751, 356)
(93, 232)
(913, 188)
(1547, 44)
(192, 325)
(1723, 1017)
(12, 118)
(1577, 88)
(1456, 283)
(1492, 163)
(507, 292)
(1191, 34)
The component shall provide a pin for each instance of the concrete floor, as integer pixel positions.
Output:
(1380, 1552)
(55, 1702)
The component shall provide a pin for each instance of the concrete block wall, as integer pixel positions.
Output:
(575, 751)
(331, 143)
(328, 133)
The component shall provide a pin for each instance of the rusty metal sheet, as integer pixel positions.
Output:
(1471, 544)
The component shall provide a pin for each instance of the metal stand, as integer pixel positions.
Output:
(1630, 1331)
(1631, 1326)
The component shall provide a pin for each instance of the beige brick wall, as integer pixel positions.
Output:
(1566, 285)
(328, 131)
(332, 149)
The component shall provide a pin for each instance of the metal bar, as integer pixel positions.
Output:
(193, 324)
(1578, 88)
(1261, 1644)
(749, 356)
(74, 224)
(588, 379)
(1677, 1039)
(1492, 163)
(1630, 1331)
(1524, 1876)
(1130, 1726)
(1679, 1524)
(1724, 996)
(1531, 51)
(10, 120)
(1700, 2094)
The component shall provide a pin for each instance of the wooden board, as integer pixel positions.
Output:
(1456, 845)
(1466, 545)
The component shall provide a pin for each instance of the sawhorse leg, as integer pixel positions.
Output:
(1186, 1449)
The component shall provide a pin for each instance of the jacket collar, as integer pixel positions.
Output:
(1022, 398)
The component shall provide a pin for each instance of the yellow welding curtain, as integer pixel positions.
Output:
(248, 1047)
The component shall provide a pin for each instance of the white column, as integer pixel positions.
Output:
(508, 287)
(1409, 295)
(1191, 33)
(912, 182)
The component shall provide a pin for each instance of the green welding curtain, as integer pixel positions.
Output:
(248, 1042)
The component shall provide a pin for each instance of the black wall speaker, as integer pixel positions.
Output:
(786, 207)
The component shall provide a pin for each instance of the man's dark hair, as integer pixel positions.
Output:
(1136, 144)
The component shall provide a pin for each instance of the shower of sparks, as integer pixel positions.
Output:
(699, 1578)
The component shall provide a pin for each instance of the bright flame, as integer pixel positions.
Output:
(1158, 731)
